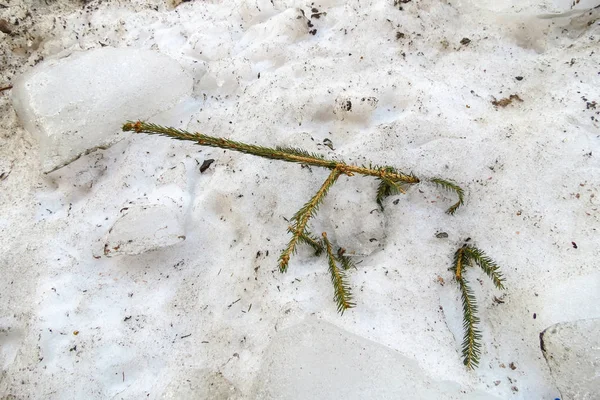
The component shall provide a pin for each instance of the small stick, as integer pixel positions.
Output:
(6, 88)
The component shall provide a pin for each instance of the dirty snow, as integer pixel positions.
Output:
(501, 97)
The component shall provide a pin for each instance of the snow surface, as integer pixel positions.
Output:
(76, 324)
(352, 368)
(572, 350)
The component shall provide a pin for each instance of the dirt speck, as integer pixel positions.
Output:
(507, 100)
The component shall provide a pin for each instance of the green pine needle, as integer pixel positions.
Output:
(299, 152)
(345, 261)
(341, 288)
(451, 187)
(387, 188)
(300, 220)
(465, 257)
(313, 242)
(488, 265)
(471, 346)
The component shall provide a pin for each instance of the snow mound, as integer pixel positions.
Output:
(77, 104)
(572, 350)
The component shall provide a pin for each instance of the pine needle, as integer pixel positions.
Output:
(471, 346)
(387, 188)
(341, 289)
(465, 257)
(299, 152)
(313, 242)
(345, 261)
(488, 265)
(451, 187)
(290, 155)
(458, 262)
(300, 220)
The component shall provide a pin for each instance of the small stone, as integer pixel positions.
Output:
(519, 78)
(206, 164)
(465, 41)
(441, 235)
(5, 27)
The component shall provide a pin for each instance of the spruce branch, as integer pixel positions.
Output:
(300, 220)
(309, 239)
(488, 265)
(284, 154)
(391, 182)
(345, 261)
(458, 262)
(471, 346)
(451, 187)
(341, 289)
(465, 257)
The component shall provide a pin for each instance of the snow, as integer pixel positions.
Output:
(354, 220)
(77, 104)
(144, 228)
(572, 350)
(197, 383)
(208, 315)
(322, 361)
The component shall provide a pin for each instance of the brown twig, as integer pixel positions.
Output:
(6, 88)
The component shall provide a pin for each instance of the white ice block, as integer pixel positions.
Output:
(77, 104)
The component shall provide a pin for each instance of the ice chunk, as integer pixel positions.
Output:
(572, 350)
(77, 104)
(317, 360)
(144, 228)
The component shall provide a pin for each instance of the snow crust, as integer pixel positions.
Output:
(208, 315)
